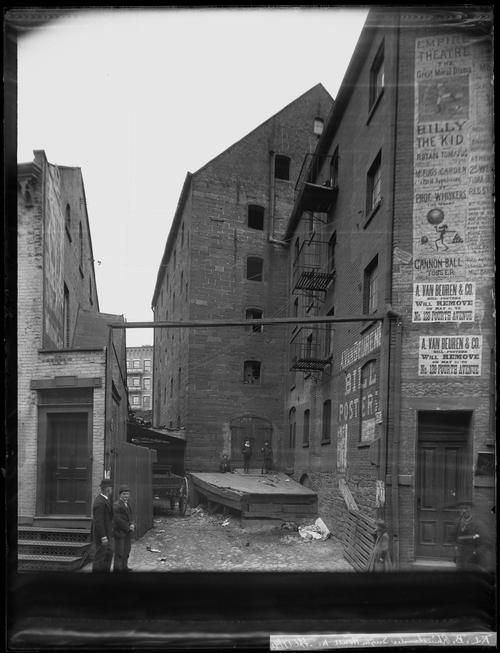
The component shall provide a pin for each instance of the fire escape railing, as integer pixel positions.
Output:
(310, 349)
(312, 271)
(316, 185)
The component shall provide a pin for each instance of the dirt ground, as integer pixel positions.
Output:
(214, 542)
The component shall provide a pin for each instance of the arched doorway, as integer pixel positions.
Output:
(255, 429)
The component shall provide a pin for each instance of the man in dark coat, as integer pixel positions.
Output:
(246, 451)
(123, 527)
(267, 452)
(102, 530)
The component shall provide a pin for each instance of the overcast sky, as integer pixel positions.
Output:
(137, 98)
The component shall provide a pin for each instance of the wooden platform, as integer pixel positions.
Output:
(254, 495)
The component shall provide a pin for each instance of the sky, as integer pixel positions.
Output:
(137, 98)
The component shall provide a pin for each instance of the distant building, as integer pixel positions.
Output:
(225, 259)
(140, 380)
(72, 401)
(392, 414)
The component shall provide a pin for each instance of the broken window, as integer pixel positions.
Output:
(251, 372)
(256, 217)
(255, 266)
(254, 314)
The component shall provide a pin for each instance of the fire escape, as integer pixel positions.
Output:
(313, 265)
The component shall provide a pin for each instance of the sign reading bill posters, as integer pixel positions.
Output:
(452, 203)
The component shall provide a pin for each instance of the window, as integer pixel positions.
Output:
(327, 418)
(147, 364)
(146, 401)
(254, 314)
(129, 381)
(326, 421)
(282, 167)
(296, 252)
(137, 364)
(329, 332)
(136, 382)
(136, 400)
(171, 387)
(318, 125)
(129, 364)
(66, 317)
(296, 307)
(147, 383)
(292, 428)
(370, 287)
(374, 185)
(251, 372)
(256, 217)
(334, 169)
(254, 268)
(305, 432)
(377, 77)
(331, 252)
(67, 220)
(80, 240)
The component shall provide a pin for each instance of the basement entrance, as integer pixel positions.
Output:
(444, 480)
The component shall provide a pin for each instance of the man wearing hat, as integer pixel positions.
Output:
(102, 513)
(123, 527)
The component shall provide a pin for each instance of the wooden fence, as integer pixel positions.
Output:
(134, 467)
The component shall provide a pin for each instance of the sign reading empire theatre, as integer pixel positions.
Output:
(452, 177)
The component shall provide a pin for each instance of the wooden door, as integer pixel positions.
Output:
(443, 482)
(68, 464)
(255, 429)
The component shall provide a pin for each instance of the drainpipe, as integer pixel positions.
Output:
(393, 335)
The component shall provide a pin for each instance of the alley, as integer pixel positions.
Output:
(203, 542)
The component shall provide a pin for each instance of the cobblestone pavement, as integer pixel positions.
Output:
(203, 542)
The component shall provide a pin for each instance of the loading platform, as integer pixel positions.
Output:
(254, 496)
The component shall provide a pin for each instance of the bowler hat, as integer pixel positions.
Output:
(123, 488)
(106, 482)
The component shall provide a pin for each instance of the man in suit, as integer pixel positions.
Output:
(123, 527)
(102, 514)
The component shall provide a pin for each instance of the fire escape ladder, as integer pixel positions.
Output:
(311, 270)
(310, 349)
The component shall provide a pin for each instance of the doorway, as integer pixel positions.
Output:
(255, 429)
(67, 477)
(444, 480)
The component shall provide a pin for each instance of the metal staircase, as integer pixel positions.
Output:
(53, 544)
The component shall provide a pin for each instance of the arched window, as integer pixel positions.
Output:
(251, 372)
(255, 266)
(292, 428)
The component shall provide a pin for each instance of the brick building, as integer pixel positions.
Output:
(140, 380)
(225, 259)
(392, 414)
(72, 402)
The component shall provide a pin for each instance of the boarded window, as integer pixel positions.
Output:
(254, 314)
(370, 290)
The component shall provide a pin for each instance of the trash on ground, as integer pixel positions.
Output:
(289, 526)
(226, 522)
(288, 539)
(162, 530)
(316, 531)
(149, 548)
(162, 559)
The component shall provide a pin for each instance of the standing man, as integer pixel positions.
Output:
(267, 452)
(102, 516)
(246, 451)
(123, 527)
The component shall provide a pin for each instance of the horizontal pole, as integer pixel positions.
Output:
(320, 319)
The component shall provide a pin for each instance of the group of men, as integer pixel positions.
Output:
(112, 528)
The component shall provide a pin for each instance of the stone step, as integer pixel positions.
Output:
(32, 562)
(46, 534)
(48, 548)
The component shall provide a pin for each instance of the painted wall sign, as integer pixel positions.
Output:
(444, 302)
(361, 347)
(449, 356)
(453, 163)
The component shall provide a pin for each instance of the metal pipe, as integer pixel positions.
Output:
(319, 319)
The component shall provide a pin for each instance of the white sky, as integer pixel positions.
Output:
(137, 98)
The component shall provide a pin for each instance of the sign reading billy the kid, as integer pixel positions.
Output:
(452, 177)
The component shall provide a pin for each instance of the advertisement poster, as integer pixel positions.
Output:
(452, 204)
(449, 356)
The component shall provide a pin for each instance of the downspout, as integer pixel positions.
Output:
(393, 336)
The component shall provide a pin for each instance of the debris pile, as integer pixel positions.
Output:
(316, 531)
